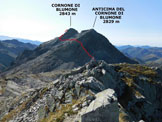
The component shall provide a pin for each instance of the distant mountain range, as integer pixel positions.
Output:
(143, 54)
(10, 49)
(131, 46)
(20, 39)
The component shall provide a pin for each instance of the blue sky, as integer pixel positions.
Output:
(37, 20)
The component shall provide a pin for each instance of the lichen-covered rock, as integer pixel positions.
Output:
(103, 109)
(93, 84)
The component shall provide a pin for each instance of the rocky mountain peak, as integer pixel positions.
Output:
(71, 49)
(72, 30)
(69, 33)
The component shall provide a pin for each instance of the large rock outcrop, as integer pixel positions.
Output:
(103, 109)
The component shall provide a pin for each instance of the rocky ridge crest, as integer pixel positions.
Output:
(95, 92)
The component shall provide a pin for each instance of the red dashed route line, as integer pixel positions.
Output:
(77, 42)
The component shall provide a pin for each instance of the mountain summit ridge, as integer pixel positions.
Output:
(56, 54)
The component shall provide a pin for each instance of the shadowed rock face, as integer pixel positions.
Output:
(56, 54)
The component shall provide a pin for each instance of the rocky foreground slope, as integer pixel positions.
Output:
(95, 92)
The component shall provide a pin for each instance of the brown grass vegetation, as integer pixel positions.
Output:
(12, 113)
(21, 107)
(123, 117)
(59, 114)
(136, 70)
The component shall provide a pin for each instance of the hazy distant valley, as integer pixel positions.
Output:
(10, 49)
(151, 56)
